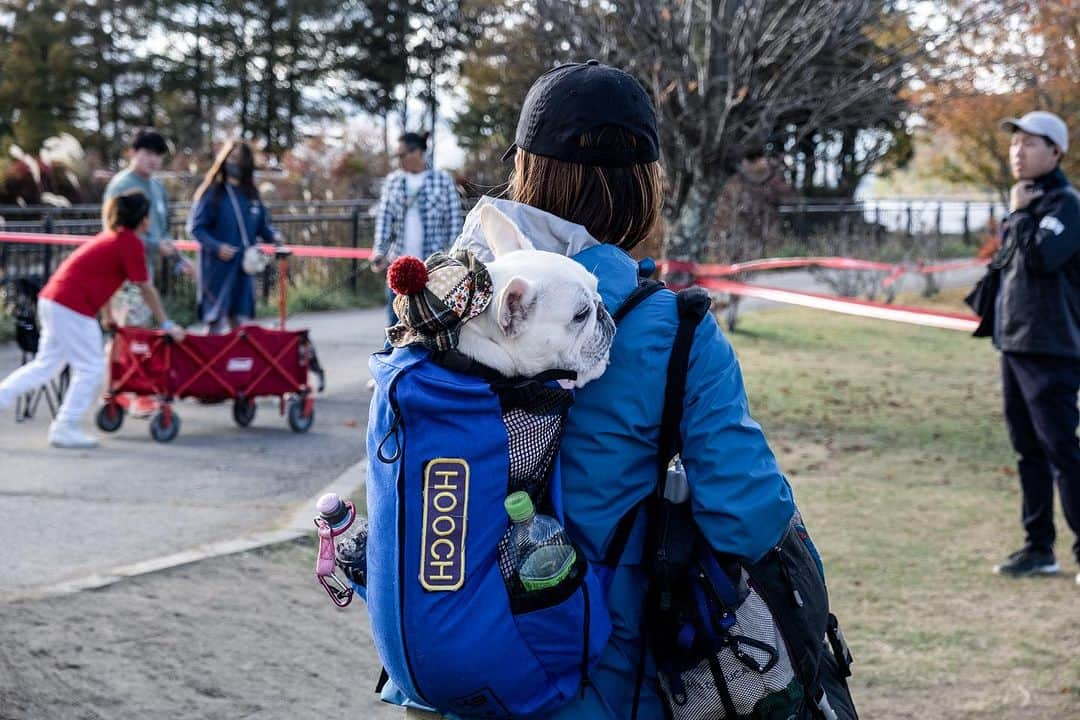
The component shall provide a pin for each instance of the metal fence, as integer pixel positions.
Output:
(338, 224)
(877, 229)
(911, 217)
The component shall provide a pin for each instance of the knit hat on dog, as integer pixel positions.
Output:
(436, 297)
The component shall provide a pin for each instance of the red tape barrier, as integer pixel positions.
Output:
(320, 251)
(847, 306)
(715, 277)
(712, 276)
(828, 263)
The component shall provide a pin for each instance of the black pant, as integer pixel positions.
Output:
(1041, 414)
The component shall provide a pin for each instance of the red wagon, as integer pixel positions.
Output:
(249, 362)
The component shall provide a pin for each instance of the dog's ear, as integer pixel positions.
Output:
(502, 234)
(515, 304)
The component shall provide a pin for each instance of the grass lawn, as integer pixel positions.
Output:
(893, 438)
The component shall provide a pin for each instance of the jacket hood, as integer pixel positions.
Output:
(546, 231)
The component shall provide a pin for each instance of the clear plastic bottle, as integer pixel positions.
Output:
(349, 533)
(677, 488)
(675, 524)
(541, 551)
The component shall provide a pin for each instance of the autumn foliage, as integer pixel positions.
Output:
(1023, 57)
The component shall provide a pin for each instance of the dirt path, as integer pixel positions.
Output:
(248, 635)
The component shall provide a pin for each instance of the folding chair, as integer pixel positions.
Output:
(27, 336)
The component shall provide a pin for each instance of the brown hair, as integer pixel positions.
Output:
(617, 205)
(216, 174)
(125, 210)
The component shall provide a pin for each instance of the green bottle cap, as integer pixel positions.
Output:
(519, 506)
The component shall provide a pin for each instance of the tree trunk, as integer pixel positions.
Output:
(245, 101)
(114, 109)
(433, 109)
(151, 101)
(848, 180)
(99, 108)
(688, 235)
(200, 80)
(269, 81)
(809, 166)
(386, 135)
(293, 81)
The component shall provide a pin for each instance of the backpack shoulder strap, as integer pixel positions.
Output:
(693, 304)
(644, 289)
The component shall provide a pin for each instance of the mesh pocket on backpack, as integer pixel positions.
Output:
(750, 672)
(534, 416)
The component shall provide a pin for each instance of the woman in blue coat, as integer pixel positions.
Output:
(227, 217)
(587, 183)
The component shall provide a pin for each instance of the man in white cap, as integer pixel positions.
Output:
(1037, 328)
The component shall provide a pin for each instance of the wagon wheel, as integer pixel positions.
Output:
(110, 417)
(243, 411)
(162, 432)
(298, 421)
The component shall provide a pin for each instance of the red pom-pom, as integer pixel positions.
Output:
(407, 275)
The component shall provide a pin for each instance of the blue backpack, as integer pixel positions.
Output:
(448, 440)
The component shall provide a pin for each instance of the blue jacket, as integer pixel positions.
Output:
(224, 288)
(742, 502)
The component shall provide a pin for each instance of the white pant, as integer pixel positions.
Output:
(67, 338)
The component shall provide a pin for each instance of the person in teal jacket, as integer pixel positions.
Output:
(148, 151)
(587, 183)
(227, 217)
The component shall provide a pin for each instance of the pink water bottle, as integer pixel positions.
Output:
(342, 544)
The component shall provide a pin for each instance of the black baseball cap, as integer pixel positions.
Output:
(570, 100)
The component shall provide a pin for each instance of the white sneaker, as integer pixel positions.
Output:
(1078, 578)
(68, 435)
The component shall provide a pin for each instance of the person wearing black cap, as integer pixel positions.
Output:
(67, 305)
(1036, 325)
(587, 182)
(148, 150)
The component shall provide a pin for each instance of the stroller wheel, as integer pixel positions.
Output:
(110, 417)
(243, 411)
(298, 421)
(162, 433)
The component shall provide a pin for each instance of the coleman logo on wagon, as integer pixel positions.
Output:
(446, 506)
(240, 364)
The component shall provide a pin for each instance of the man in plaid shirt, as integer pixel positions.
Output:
(419, 211)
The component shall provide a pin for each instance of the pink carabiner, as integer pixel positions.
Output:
(324, 561)
(339, 593)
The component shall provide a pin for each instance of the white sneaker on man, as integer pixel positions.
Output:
(70, 436)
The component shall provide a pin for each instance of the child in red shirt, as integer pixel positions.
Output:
(67, 308)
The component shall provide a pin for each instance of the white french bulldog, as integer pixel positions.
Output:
(545, 313)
